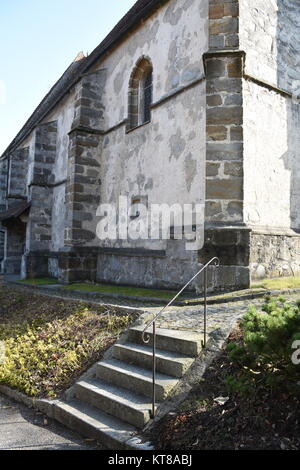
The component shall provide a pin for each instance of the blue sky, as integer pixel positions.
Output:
(38, 41)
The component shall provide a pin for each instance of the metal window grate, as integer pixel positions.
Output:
(147, 96)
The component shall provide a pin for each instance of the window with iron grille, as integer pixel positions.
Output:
(147, 96)
(140, 94)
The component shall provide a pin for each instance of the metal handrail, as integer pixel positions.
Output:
(152, 322)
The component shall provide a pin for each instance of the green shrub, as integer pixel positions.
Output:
(267, 339)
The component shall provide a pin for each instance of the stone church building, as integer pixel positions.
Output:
(185, 101)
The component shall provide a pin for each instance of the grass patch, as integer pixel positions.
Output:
(279, 283)
(42, 281)
(128, 291)
(50, 342)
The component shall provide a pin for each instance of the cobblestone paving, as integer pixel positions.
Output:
(218, 315)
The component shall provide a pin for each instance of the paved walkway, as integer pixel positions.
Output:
(24, 429)
(218, 315)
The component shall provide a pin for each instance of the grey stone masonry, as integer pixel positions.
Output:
(40, 192)
(85, 143)
(89, 110)
(274, 255)
(83, 187)
(44, 153)
(225, 234)
(15, 233)
(224, 131)
(3, 188)
(83, 180)
(41, 196)
(232, 246)
(3, 183)
(223, 24)
(17, 174)
(224, 69)
(2, 237)
(224, 65)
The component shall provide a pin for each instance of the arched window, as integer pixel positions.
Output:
(140, 94)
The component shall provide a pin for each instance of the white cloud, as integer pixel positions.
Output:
(2, 92)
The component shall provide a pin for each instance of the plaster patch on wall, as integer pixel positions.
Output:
(172, 14)
(190, 170)
(177, 145)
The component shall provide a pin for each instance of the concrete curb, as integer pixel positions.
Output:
(43, 405)
(47, 407)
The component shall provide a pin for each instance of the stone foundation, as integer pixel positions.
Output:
(36, 265)
(244, 255)
(75, 265)
(15, 233)
(232, 246)
(165, 269)
(274, 255)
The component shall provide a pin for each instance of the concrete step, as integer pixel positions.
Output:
(119, 402)
(90, 422)
(134, 378)
(167, 362)
(182, 342)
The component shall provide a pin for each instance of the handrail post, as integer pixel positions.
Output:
(153, 368)
(205, 307)
(146, 337)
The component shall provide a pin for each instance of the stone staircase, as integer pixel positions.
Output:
(114, 403)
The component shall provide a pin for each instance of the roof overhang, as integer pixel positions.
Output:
(15, 211)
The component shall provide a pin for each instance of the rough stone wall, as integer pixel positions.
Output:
(40, 193)
(63, 114)
(3, 183)
(83, 188)
(83, 180)
(82, 191)
(224, 115)
(18, 164)
(225, 234)
(170, 268)
(270, 36)
(224, 149)
(14, 247)
(45, 153)
(274, 255)
(2, 239)
(223, 24)
(3, 187)
(163, 160)
(272, 146)
(258, 31)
